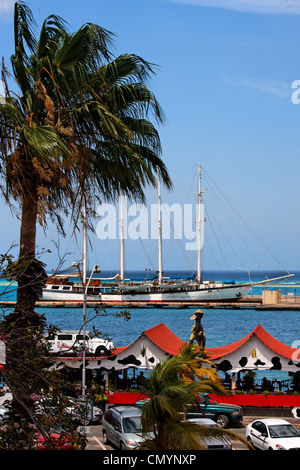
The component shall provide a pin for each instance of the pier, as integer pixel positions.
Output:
(271, 301)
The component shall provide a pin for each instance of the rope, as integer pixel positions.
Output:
(246, 224)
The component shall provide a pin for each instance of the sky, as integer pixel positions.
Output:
(227, 73)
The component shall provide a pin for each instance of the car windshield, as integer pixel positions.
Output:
(132, 424)
(285, 430)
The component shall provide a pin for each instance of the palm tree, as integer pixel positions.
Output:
(170, 386)
(76, 123)
(32, 150)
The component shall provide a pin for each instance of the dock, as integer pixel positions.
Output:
(291, 303)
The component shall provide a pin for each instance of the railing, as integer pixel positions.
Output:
(261, 385)
(274, 385)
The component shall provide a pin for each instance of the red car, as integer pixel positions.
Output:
(54, 441)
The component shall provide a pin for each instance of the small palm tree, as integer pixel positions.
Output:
(171, 386)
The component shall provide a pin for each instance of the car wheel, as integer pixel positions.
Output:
(101, 351)
(122, 446)
(250, 442)
(222, 421)
(105, 440)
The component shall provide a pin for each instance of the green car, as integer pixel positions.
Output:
(223, 414)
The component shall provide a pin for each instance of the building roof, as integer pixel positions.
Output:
(162, 336)
(272, 343)
(166, 340)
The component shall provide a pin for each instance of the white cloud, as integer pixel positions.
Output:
(7, 6)
(252, 6)
(279, 90)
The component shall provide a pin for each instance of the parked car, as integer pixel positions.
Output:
(71, 341)
(212, 442)
(3, 413)
(74, 408)
(273, 434)
(55, 440)
(94, 414)
(223, 414)
(122, 426)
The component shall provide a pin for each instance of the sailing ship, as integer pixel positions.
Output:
(118, 290)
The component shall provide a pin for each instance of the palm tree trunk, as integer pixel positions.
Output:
(31, 276)
(27, 270)
(23, 327)
(28, 225)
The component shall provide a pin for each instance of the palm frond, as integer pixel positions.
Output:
(52, 31)
(44, 143)
(24, 25)
(99, 108)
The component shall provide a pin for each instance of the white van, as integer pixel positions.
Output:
(71, 341)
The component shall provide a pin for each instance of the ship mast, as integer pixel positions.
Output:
(121, 238)
(84, 235)
(198, 222)
(159, 231)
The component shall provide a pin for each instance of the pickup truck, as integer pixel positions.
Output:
(223, 414)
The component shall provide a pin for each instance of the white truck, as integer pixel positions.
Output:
(72, 341)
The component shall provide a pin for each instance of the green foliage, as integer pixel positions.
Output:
(169, 393)
(249, 379)
(81, 119)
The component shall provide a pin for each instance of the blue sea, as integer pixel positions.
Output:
(222, 326)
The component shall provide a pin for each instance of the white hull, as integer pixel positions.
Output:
(197, 295)
(219, 293)
(60, 296)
